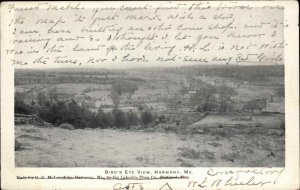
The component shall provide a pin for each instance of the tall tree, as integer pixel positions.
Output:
(146, 118)
(225, 93)
(256, 104)
(119, 87)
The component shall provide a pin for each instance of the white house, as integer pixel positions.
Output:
(104, 101)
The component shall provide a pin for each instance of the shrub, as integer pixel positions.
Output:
(231, 156)
(17, 145)
(66, 126)
(22, 108)
(189, 153)
(162, 119)
(206, 130)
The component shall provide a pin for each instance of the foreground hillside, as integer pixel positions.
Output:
(56, 147)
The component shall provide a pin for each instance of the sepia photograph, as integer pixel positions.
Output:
(191, 116)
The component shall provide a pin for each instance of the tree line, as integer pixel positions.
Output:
(48, 108)
(246, 73)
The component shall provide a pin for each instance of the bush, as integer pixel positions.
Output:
(66, 126)
(17, 145)
(231, 156)
(189, 153)
(162, 119)
(22, 108)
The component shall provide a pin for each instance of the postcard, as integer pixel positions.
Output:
(150, 95)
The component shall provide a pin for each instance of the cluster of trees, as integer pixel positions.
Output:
(256, 104)
(50, 109)
(212, 98)
(122, 86)
(119, 119)
(218, 98)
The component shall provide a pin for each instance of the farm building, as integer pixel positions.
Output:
(104, 101)
(157, 106)
(275, 105)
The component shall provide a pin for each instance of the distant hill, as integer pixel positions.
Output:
(248, 73)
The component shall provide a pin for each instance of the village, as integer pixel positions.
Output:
(159, 95)
(162, 93)
(200, 115)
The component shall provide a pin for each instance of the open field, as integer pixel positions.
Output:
(267, 121)
(56, 147)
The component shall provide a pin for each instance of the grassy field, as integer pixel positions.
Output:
(271, 121)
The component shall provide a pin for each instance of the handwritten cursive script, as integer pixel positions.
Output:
(143, 34)
(240, 177)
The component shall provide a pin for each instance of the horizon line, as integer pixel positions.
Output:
(154, 67)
